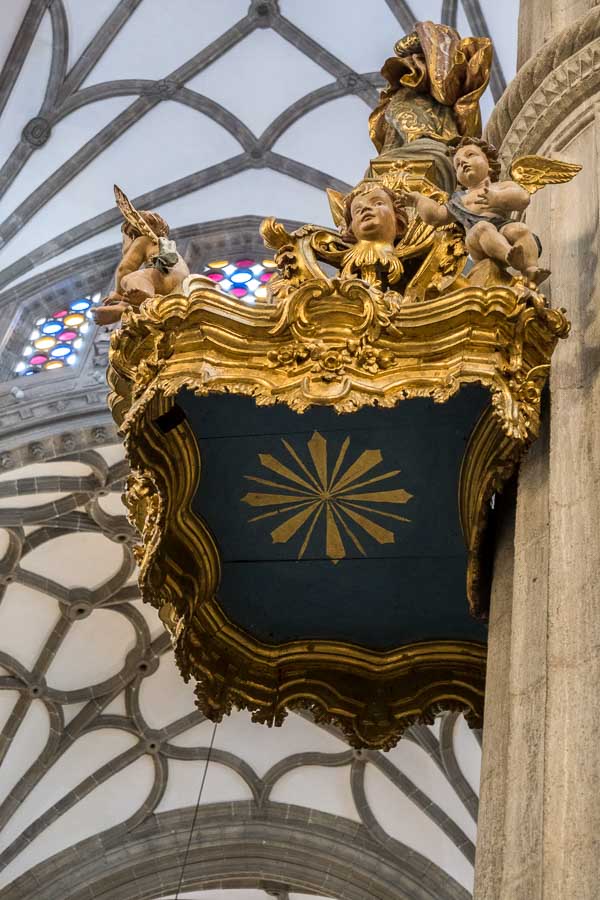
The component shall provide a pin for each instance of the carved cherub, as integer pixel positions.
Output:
(150, 264)
(483, 205)
(375, 219)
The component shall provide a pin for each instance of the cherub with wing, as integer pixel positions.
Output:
(150, 264)
(483, 205)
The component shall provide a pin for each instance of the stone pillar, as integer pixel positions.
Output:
(539, 836)
(541, 20)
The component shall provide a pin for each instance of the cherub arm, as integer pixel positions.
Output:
(430, 211)
(506, 196)
(138, 252)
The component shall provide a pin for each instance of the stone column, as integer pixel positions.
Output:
(541, 20)
(539, 836)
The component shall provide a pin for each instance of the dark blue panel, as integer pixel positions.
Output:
(396, 581)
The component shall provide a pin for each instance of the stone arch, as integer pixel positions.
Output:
(238, 845)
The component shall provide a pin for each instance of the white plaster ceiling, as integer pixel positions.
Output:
(76, 751)
(86, 81)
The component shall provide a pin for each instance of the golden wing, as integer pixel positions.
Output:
(336, 205)
(132, 215)
(535, 172)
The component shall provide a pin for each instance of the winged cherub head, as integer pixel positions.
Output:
(373, 213)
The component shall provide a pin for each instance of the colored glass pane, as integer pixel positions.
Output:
(74, 319)
(216, 276)
(38, 359)
(60, 314)
(54, 364)
(80, 305)
(238, 292)
(269, 263)
(266, 276)
(260, 293)
(244, 263)
(241, 277)
(60, 350)
(67, 335)
(44, 343)
(218, 264)
(51, 327)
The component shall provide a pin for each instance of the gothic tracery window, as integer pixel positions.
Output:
(57, 338)
(245, 278)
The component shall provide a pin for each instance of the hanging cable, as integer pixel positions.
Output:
(189, 843)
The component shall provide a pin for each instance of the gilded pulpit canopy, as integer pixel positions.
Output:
(312, 478)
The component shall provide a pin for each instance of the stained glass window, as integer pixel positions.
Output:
(245, 279)
(57, 338)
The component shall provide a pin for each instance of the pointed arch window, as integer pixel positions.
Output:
(56, 339)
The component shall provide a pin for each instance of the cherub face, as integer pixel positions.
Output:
(373, 217)
(471, 165)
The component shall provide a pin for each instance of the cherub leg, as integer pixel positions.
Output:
(524, 254)
(484, 241)
(109, 313)
(138, 286)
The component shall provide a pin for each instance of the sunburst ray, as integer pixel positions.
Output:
(380, 534)
(318, 450)
(348, 530)
(377, 512)
(281, 487)
(269, 462)
(333, 539)
(257, 499)
(376, 478)
(310, 530)
(398, 496)
(300, 464)
(367, 460)
(279, 512)
(287, 529)
(338, 463)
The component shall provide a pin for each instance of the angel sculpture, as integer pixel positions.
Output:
(483, 205)
(150, 264)
(374, 220)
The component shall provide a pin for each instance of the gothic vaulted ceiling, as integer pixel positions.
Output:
(213, 112)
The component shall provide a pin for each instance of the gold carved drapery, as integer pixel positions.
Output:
(436, 81)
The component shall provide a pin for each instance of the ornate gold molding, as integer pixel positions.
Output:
(342, 343)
